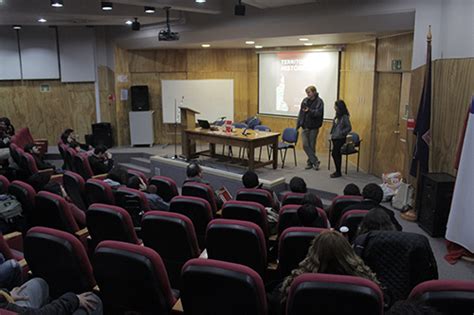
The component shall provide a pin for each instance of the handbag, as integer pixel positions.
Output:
(348, 148)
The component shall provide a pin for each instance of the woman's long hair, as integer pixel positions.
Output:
(330, 253)
(375, 220)
(341, 109)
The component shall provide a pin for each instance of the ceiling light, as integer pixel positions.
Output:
(41, 20)
(250, 42)
(205, 45)
(258, 46)
(128, 22)
(150, 10)
(200, 1)
(107, 6)
(308, 44)
(17, 27)
(57, 3)
(303, 39)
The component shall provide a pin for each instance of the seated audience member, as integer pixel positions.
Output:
(351, 190)
(329, 253)
(194, 175)
(376, 220)
(68, 138)
(4, 143)
(10, 130)
(312, 199)
(41, 164)
(308, 216)
(298, 185)
(250, 180)
(117, 177)
(10, 273)
(373, 196)
(101, 160)
(155, 201)
(410, 307)
(42, 181)
(32, 298)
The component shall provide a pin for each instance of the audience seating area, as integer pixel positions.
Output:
(197, 258)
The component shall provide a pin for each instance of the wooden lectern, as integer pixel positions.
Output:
(188, 121)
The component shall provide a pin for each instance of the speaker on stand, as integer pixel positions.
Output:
(140, 98)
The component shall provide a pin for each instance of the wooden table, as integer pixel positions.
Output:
(253, 139)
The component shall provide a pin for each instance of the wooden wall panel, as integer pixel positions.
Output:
(106, 80)
(452, 91)
(359, 57)
(395, 47)
(142, 61)
(67, 105)
(172, 60)
(122, 108)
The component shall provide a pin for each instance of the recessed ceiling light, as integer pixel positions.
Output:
(57, 3)
(250, 42)
(308, 44)
(258, 46)
(150, 10)
(129, 22)
(200, 1)
(107, 6)
(303, 39)
(205, 45)
(17, 27)
(41, 20)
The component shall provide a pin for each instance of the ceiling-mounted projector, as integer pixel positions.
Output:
(167, 34)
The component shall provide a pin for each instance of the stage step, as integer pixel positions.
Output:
(141, 161)
(146, 171)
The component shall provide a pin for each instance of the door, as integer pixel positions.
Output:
(389, 147)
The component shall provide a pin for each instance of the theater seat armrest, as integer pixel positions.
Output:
(14, 240)
(272, 266)
(48, 171)
(100, 176)
(23, 263)
(273, 238)
(82, 233)
(178, 307)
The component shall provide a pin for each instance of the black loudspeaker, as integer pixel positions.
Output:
(140, 98)
(435, 202)
(102, 134)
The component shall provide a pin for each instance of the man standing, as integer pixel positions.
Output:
(310, 118)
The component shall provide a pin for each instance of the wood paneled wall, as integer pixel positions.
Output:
(67, 105)
(392, 48)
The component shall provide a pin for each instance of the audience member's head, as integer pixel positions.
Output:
(118, 174)
(351, 190)
(100, 150)
(410, 307)
(38, 181)
(331, 253)
(6, 124)
(373, 192)
(312, 199)
(66, 136)
(250, 179)
(298, 185)
(193, 170)
(134, 182)
(308, 215)
(375, 220)
(152, 189)
(31, 148)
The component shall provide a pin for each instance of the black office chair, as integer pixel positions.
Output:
(354, 139)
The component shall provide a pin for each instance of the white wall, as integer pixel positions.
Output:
(9, 55)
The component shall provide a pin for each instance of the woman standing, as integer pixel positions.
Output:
(340, 129)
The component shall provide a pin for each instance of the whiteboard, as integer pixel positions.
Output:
(213, 99)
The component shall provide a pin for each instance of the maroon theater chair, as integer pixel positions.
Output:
(450, 297)
(75, 187)
(142, 175)
(25, 194)
(60, 259)
(173, 236)
(352, 219)
(201, 191)
(69, 155)
(293, 247)
(317, 293)
(82, 166)
(132, 278)
(98, 191)
(287, 217)
(247, 211)
(291, 198)
(4, 183)
(106, 222)
(197, 210)
(166, 187)
(338, 204)
(239, 242)
(15, 153)
(258, 195)
(54, 212)
(218, 287)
